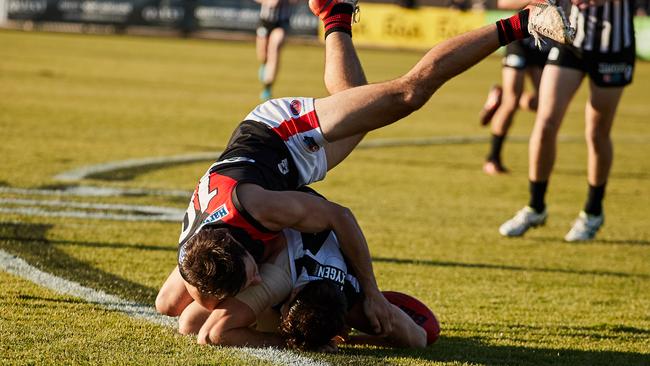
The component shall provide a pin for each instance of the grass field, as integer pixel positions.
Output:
(429, 213)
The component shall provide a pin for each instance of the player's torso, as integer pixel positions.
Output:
(318, 256)
(215, 202)
(604, 29)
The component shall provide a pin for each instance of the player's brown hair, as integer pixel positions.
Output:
(315, 316)
(214, 263)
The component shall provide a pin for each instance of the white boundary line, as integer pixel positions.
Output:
(86, 171)
(19, 267)
(137, 212)
(93, 191)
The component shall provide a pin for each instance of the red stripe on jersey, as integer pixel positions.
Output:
(304, 123)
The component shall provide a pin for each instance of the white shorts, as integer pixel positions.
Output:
(295, 121)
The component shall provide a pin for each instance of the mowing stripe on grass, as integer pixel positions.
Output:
(19, 267)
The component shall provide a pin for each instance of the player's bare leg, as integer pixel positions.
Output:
(369, 107)
(557, 88)
(275, 41)
(512, 89)
(599, 117)
(365, 108)
(343, 71)
(529, 100)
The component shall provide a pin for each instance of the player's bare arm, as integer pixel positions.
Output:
(308, 213)
(229, 325)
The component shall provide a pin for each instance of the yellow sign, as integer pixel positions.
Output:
(393, 26)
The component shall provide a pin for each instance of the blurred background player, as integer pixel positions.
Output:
(275, 18)
(604, 48)
(522, 58)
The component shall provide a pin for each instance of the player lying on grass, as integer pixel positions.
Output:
(291, 142)
(321, 298)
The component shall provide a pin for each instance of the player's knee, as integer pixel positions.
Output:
(597, 140)
(164, 306)
(510, 103)
(549, 129)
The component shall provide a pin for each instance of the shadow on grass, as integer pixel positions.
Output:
(28, 241)
(632, 175)
(547, 239)
(505, 267)
(473, 351)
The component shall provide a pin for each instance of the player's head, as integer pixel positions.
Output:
(314, 316)
(217, 264)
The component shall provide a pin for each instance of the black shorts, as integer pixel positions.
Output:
(265, 27)
(523, 53)
(255, 154)
(605, 69)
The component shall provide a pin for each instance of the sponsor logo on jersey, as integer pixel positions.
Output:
(330, 273)
(283, 166)
(310, 143)
(295, 106)
(217, 215)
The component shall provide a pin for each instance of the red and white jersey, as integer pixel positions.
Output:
(296, 122)
(214, 202)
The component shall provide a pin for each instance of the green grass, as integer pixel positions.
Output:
(429, 214)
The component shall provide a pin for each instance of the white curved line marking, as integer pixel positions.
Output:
(93, 191)
(19, 267)
(85, 171)
(139, 212)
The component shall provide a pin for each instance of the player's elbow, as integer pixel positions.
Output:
(341, 212)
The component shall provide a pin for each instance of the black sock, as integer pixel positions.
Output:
(495, 150)
(537, 193)
(594, 205)
(513, 28)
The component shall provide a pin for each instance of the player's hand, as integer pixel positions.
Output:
(378, 311)
(331, 347)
